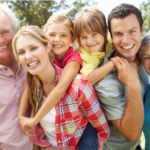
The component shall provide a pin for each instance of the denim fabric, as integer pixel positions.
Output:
(88, 140)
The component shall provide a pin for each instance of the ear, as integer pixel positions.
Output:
(73, 39)
(48, 47)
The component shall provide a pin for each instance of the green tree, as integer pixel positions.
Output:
(145, 9)
(36, 12)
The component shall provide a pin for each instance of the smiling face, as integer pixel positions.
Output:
(6, 36)
(146, 59)
(60, 37)
(32, 54)
(126, 36)
(91, 41)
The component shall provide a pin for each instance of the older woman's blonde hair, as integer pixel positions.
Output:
(32, 80)
(90, 20)
(57, 18)
(144, 44)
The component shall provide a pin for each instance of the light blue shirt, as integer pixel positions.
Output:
(112, 94)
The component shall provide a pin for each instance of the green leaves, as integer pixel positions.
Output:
(36, 12)
(145, 9)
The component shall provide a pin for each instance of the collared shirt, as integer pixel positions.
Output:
(11, 87)
(73, 111)
(112, 94)
(71, 55)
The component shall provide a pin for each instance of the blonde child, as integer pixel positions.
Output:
(59, 29)
(63, 126)
(91, 31)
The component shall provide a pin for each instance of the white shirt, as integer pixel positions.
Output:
(48, 125)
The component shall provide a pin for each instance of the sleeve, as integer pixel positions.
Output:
(112, 96)
(90, 107)
(72, 55)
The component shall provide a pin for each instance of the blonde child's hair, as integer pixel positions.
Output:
(59, 18)
(144, 44)
(32, 80)
(91, 20)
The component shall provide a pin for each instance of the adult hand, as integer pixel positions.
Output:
(127, 73)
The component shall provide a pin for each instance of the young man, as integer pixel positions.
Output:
(12, 81)
(121, 92)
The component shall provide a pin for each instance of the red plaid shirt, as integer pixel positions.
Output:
(73, 111)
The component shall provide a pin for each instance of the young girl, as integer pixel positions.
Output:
(65, 123)
(91, 31)
(59, 29)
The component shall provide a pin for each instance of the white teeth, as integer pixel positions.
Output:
(128, 47)
(3, 47)
(57, 46)
(33, 64)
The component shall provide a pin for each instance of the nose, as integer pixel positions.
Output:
(57, 38)
(125, 38)
(28, 55)
(89, 40)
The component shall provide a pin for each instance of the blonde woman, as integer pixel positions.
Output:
(63, 126)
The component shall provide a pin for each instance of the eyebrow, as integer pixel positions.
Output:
(129, 30)
(23, 49)
(146, 55)
(60, 32)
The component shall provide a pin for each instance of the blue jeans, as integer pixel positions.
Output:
(88, 139)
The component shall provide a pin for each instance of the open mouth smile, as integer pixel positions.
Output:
(33, 64)
(4, 47)
(127, 47)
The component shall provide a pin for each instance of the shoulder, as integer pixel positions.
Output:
(110, 85)
(111, 94)
(72, 55)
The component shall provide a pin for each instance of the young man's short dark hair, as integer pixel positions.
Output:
(123, 11)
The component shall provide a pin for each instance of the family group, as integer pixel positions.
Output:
(53, 97)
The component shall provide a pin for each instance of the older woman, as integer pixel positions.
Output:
(144, 54)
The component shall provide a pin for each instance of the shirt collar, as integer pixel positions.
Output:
(107, 59)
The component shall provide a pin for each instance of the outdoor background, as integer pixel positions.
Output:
(36, 12)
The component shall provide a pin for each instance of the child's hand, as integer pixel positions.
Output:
(29, 122)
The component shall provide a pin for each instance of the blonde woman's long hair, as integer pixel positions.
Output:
(35, 93)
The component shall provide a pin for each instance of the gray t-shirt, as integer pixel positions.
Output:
(112, 94)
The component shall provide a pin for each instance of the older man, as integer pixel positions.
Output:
(120, 93)
(12, 81)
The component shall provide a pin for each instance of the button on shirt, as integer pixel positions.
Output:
(112, 94)
(11, 87)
